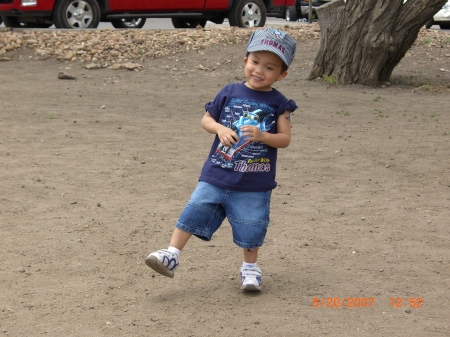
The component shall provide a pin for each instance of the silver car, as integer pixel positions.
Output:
(441, 18)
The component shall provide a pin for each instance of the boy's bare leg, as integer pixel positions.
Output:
(250, 255)
(179, 238)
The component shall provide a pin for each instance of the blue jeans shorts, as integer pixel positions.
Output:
(247, 212)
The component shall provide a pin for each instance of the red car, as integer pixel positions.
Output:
(132, 13)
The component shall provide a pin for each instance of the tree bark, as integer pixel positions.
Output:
(362, 41)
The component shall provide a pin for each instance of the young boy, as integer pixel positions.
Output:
(251, 121)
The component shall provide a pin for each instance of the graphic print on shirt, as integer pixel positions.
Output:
(245, 155)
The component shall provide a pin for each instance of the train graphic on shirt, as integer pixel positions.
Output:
(245, 152)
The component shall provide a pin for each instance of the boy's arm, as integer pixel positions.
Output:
(226, 136)
(278, 140)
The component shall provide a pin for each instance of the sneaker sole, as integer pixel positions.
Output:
(250, 287)
(157, 266)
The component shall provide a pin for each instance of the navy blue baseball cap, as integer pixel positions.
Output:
(275, 41)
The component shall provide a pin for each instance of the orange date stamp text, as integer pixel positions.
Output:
(345, 302)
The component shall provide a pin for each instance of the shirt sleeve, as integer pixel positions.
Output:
(289, 106)
(215, 107)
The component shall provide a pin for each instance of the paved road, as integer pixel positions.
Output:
(167, 24)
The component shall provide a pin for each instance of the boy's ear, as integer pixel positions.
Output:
(282, 75)
(245, 59)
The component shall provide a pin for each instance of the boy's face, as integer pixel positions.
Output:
(262, 69)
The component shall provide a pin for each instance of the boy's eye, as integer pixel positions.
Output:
(246, 115)
(255, 118)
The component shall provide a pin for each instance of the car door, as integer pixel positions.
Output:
(191, 4)
(141, 5)
(155, 5)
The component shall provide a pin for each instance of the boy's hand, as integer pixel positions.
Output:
(252, 133)
(227, 136)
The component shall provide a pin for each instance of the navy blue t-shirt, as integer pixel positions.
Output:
(246, 166)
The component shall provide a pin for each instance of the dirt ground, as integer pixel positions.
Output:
(95, 172)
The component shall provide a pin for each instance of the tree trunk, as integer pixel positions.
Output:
(362, 41)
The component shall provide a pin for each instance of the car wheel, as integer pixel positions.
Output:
(444, 25)
(291, 13)
(247, 14)
(188, 23)
(128, 23)
(12, 22)
(429, 24)
(76, 14)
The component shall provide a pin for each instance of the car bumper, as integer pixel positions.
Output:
(21, 6)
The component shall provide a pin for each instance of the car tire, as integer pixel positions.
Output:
(76, 14)
(188, 23)
(291, 13)
(12, 22)
(429, 24)
(136, 23)
(247, 14)
(444, 25)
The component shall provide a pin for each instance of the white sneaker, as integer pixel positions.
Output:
(251, 279)
(163, 262)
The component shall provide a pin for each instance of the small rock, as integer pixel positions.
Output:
(63, 76)
(132, 66)
(69, 56)
(92, 66)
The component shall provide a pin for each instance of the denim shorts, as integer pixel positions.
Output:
(247, 212)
